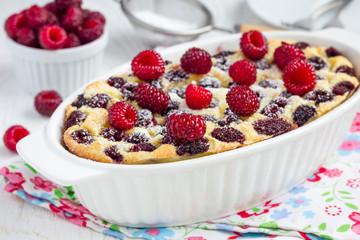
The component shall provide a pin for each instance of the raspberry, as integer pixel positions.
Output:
(197, 97)
(113, 134)
(286, 53)
(342, 87)
(52, 37)
(51, 7)
(210, 82)
(262, 64)
(319, 96)
(177, 75)
(13, 135)
(63, 5)
(301, 45)
(73, 19)
(147, 147)
(346, 69)
(14, 23)
(185, 127)
(271, 126)
(36, 16)
(254, 45)
(228, 134)
(242, 101)
(82, 136)
(112, 152)
(26, 36)
(75, 118)
(332, 52)
(46, 102)
(90, 31)
(96, 16)
(122, 116)
(191, 148)
(317, 62)
(299, 77)
(148, 65)
(72, 41)
(52, 19)
(196, 60)
(151, 98)
(243, 72)
(303, 113)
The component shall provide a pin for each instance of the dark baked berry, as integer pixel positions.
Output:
(137, 137)
(122, 116)
(223, 64)
(280, 101)
(62, 5)
(286, 53)
(80, 101)
(230, 117)
(346, 69)
(75, 118)
(72, 19)
(176, 76)
(268, 83)
(72, 41)
(191, 148)
(82, 136)
(13, 135)
(303, 114)
(299, 77)
(262, 64)
(14, 23)
(113, 134)
(209, 118)
(243, 72)
(167, 62)
(90, 31)
(260, 95)
(26, 36)
(271, 126)
(223, 54)
(173, 105)
(156, 83)
(148, 65)
(116, 82)
(52, 37)
(185, 127)
(254, 45)
(151, 98)
(36, 16)
(147, 147)
(342, 87)
(197, 97)
(317, 62)
(145, 118)
(209, 82)
(242, 101)
(46, 102)
(178, 91)
(168, 140)
(272, 110)
(196, 60)
(301, 45)
(332, 52)
(221, 123)
(213, 103)
(112, 152)
(320, 77)
(99, 100)
(228, 134)
(128, 90)
(286, 94)
(319, 96)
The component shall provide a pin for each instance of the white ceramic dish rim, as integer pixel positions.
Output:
(53, 132)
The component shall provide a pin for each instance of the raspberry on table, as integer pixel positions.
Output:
(197, 97)
(254, 45)
(151, 98)
(73, 19)
(14, 23)
(243, 72)
(148, 65)
(122, 116)
(90, 31)
(242, 101)
(13, 135)
(26, 36)
(52, 37)
(185, 127)
(286, 53)
(196, 60)
(299, 77)
(46, 102)
(36, 16)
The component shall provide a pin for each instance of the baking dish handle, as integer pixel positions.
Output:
(37, 152)
(342, 35)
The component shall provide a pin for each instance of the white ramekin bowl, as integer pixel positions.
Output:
(203, 188)
(63, 70)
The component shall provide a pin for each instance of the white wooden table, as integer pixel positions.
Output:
(22, 220)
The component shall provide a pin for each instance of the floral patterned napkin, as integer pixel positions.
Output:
(325, 206)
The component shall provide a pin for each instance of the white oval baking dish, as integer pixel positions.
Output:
(204, 188)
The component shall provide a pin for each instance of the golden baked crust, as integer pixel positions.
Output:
(268, 86)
